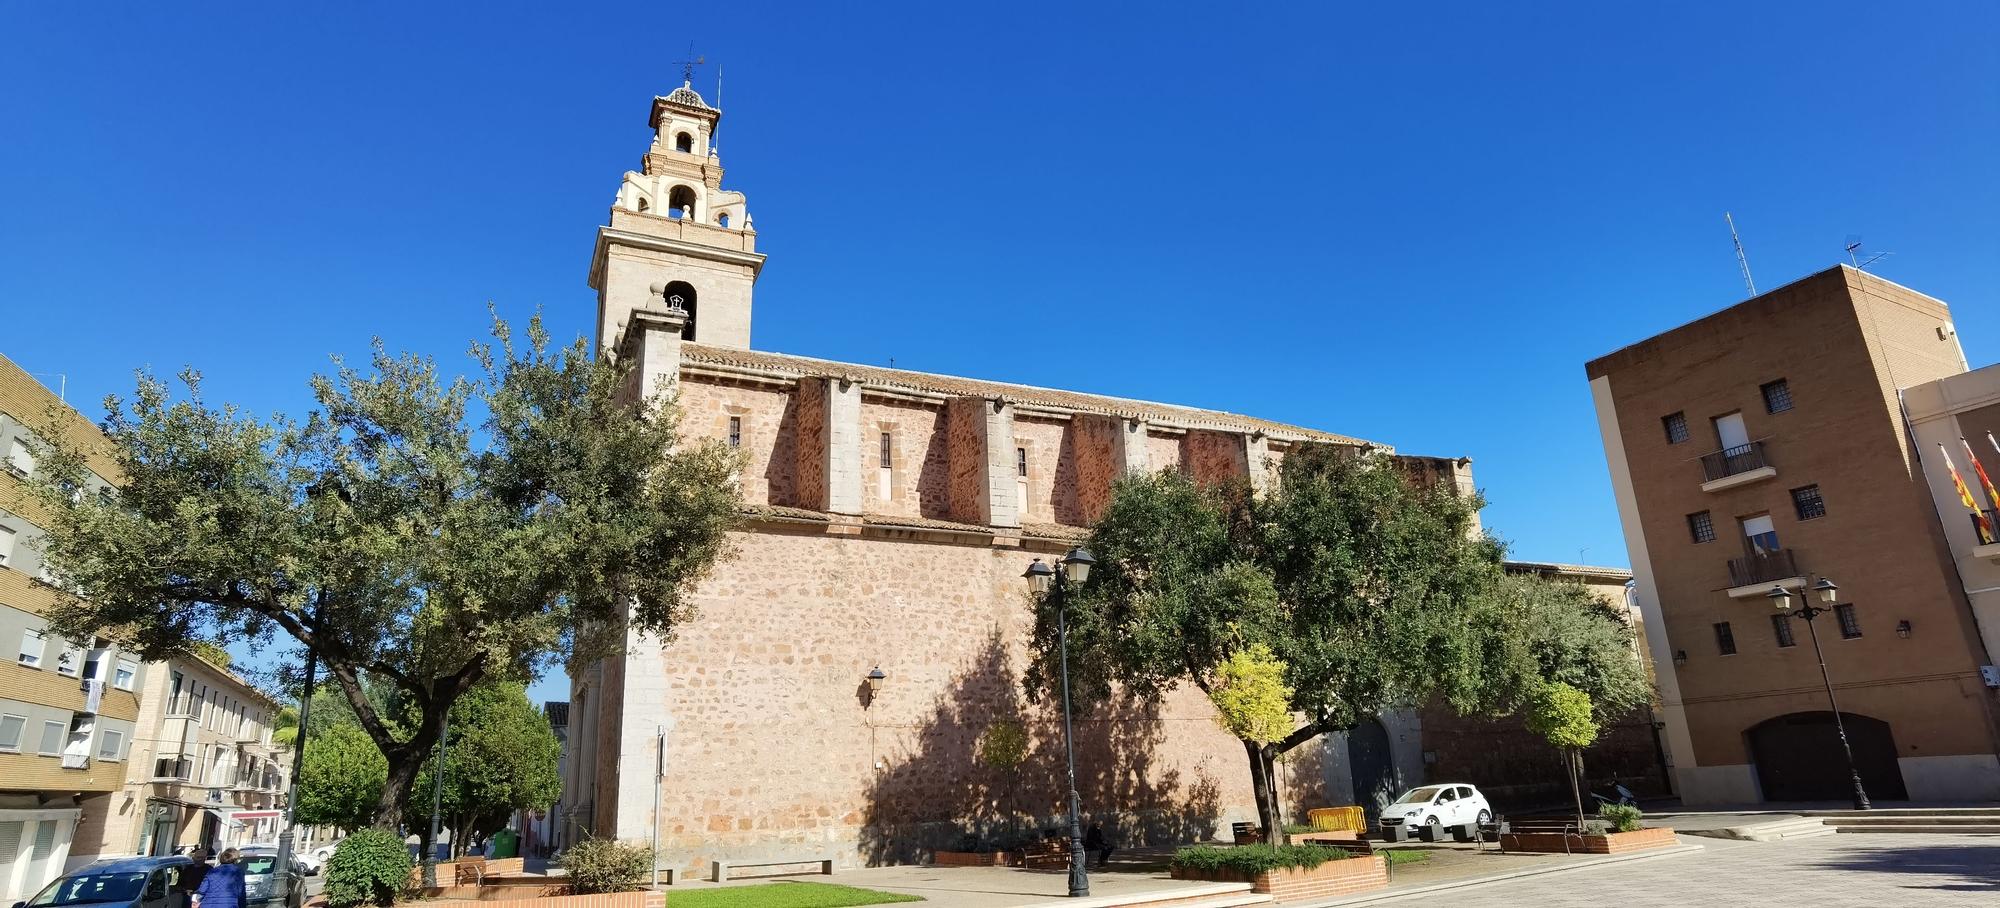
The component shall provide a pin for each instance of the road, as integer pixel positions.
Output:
(1836, 871)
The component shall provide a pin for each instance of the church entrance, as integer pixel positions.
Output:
(1371, 766)
(1798, 758)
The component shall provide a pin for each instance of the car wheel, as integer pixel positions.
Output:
(1431, 821)
(1485, 817)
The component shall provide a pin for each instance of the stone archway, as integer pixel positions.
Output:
(1798, 758)
(1371, 765)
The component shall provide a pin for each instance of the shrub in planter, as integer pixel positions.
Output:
(1250, 860)
(1622, 817)
(602, 865)
(370, 867)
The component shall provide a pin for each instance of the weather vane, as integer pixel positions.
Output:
(687, 66)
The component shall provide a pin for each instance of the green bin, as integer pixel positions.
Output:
(505, 844)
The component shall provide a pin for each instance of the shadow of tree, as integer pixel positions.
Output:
(938, 794)
(1961, 868)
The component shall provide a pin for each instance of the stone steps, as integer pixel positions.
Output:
(1774, 831)
(1985, 829)
(1962, 821)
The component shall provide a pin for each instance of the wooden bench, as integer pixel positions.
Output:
(719, 870)
(1359, 848)
(1246, 833)
(1047, 854)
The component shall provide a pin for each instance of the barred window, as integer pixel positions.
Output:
(1701, 527)
(1806, 499)
(1850, 626)
(1777, 397)
(1677, 427)
(1725, 641)
(1782, 626)
(736, 431)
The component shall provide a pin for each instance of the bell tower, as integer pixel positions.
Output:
(673, 225)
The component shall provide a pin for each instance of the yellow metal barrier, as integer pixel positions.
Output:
(1330, 819)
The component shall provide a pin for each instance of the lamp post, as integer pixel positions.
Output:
(1041, 578)
(1825, 591)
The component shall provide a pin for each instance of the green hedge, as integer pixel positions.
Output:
(370, 867)
(602, 865)
(1622, 817)
(1250, 860)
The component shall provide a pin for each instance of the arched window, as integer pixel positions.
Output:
(680, 295)
(680, 202)
(684, 142)
(722, 219)
(643, 206)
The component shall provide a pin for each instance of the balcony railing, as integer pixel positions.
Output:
(1767, 567)
(1731, 461)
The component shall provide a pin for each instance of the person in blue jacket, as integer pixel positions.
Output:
(222, 887)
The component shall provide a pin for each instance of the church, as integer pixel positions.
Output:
(850, 687)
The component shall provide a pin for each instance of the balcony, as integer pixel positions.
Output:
(1754, 574)
(75, 761)
(1737, 466)
(1986, 544)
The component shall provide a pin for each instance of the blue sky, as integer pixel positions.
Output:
(1408, 223)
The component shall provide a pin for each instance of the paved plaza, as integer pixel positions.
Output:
(1864, 871)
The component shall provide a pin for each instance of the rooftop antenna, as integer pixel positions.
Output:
(62, 384)
(1742, 261)
(1853, 247)
(715, 132)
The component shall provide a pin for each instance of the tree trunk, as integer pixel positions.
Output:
(1263, 787)
(1573, 762)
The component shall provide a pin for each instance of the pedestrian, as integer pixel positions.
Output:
(192, 874)
(1095, 841)
(223, 886)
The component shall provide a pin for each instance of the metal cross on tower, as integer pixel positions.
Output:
(687, 66)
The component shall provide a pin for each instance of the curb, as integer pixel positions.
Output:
(1387, 896)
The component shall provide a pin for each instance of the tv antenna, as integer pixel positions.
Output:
(687, 66)
(1742, 261)
(1853, 247)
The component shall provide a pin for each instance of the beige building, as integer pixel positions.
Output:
(203, 769)
(67, 708)
(1764, 446)
(1953, 412)
(892, 515)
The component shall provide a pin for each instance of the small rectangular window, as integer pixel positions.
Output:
(1850, 626)
(109, 744)
(887, 455)
(1808, 503)
(6, 546)
(736, 431)
(1781, 626)
(1677, 427)
(19, 458)
(1777, 396)
(70, 662)
(1021, 462)
(32, 644)
(1725, 641)
(53, 733)
(127, 673)
(11, 728)
(1701, 527)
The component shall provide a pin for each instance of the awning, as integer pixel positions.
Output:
(246, 816)
(220, 817)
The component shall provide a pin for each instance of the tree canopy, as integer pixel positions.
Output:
(1350, 588)
(341, 779)
(499, 756)
(424, 534)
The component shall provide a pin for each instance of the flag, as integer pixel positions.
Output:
(1979, 519)
(1992, 494)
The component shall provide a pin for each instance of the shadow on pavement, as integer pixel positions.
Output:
(1959, 868)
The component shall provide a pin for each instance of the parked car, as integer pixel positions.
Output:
(1448, 804)
(145, 882)
(261, 879)
(303, 857)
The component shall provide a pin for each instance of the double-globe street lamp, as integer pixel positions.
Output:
(1826, 592)
(1046, 580)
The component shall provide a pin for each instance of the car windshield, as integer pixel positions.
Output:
(1418, 796)
(88, 888)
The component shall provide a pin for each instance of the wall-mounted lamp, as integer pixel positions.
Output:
(1680, 657)
(875, 679)
(1903, 629)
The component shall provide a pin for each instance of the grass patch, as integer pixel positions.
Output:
(785, 895)
(1405, 856)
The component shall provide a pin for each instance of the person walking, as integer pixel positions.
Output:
(223, 886)
(192, 874)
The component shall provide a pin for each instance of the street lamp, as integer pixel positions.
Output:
(1826, 592)
(1041, 579)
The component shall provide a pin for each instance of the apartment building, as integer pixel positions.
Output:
(68, 708)
(1954, 414)
(1764, 446)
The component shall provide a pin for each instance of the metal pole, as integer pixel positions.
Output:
(285, 838)
(1079, 878)
(659, 770)
(437, 804)
(1860, 794)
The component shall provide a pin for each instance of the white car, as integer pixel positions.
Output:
(1446, 804)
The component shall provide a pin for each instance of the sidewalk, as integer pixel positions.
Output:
(974, 887)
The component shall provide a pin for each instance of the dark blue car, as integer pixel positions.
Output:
(149, 882)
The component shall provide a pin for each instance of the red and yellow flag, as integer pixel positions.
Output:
(1979, 518)
(1992, 494)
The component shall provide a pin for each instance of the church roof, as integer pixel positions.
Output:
(686, 96)
(790, 366)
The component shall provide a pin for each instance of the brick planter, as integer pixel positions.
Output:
(1338, 877)
(1610, 843)
(976, 858)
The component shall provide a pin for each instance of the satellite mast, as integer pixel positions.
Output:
(1853, 247)
(715, 132)
(1742, 261)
